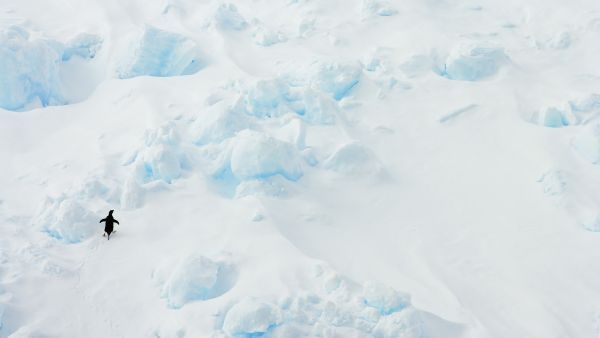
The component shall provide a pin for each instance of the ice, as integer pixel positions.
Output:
(162, 53)
(68, 220)
(556, 117)
(576, 111)
(217, 123)
(586, 103)
(162, 157)
(272, 187)
(403, 324)
(193, 278)
(133, 194)
(251, 317)
(383, 298)
(268, 98)
(378, 7)
(264, 36)
(227, 17)
(587, 143)
(473, 62)
(30, 70)
(257, 156)
(84, 45)
(352, 159)
(337, 78)
(280, 96)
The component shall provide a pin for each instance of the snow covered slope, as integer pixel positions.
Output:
(300, 168)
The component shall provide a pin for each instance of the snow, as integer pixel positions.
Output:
(194, 278)
(250, 317)
(385, 299)
(352, 159)
(257, 156)
(363, 168)
(587, 143)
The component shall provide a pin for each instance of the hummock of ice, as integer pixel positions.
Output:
(227, 17)
(193, 278)
(473, 62)
(257, 156)
(83, 45)
(378, 7)
(217, 123)
(352, 159)
(272, 187)
(337, 307)
(338, 79)
(587, 143)
(264, 36)
(162, 53)
(30, 70)
(572, 112)
(403, 324)
(163, 156)
(251, 317)
(279, 96)
(66, 219)
(383, 298)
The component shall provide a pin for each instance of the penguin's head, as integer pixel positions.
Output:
(110, 212)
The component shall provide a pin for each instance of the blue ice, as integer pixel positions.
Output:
(162, 53)
(30, 70)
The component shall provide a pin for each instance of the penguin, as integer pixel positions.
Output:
(108, 225)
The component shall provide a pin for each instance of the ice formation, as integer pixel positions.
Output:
(162, 53)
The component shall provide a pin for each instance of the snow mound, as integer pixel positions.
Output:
(162, 53)
(84, 45)
(587, 143)
(258, 156)
(555, 117)
(30, 70)
(280, 96)
(251, 317)
(473, 62)
(67, 220)
(404, 324)
(272, 187)
(378, 7)
(194, 278)
(264, 36)
(572, 112)
(217, 124)
(338, 78)
(227, 17)
(352, 159)
(383, 298)
(162, 157)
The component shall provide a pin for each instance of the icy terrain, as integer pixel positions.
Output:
(300, 168)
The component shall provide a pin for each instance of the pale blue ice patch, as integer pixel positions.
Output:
(83, 45)
(473, 62)
(30, 70)
(251, 318)
(161, 53)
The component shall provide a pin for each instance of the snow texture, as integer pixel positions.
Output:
(587, 143)
(385, 299)
(352, 159)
